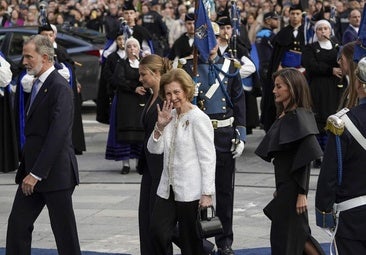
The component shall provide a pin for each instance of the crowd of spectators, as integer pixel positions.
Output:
(92, 13)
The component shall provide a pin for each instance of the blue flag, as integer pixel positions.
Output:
(204, 36)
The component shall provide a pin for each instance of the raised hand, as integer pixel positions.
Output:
(164, 114)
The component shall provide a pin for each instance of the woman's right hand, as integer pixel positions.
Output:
(164, 115)
(337, 72)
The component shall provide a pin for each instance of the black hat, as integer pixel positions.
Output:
(128, 6)
(223, 21)
(295, 7)
(327, 9)
(45, 25)
(189, 17)
(270, 15)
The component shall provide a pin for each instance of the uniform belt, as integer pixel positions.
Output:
(350, 203)
(222, 123)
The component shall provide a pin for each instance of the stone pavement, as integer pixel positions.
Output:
(106, 202)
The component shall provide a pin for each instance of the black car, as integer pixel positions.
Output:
(82, 44)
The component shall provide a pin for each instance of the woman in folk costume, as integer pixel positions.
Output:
(324, 76)
(291, 145)
(126, 131)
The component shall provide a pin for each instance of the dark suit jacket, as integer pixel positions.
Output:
(48, 151)
(349, 35)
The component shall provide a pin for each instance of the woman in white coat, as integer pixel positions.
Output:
(185, 135)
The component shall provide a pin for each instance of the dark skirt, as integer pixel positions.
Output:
(118, 150)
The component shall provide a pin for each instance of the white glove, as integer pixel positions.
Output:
(237, 148)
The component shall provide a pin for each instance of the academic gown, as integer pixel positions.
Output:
(8, 143)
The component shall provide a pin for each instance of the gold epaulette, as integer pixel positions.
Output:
(335, 124)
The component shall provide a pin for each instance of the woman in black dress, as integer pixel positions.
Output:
(324, 76)
(292, 145)
(152, 67)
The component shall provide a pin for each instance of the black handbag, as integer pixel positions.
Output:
(208, 224)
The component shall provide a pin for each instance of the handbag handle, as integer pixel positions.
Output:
(213, 213)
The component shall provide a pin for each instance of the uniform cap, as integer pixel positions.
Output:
(189, 17)
(223, 21)
(128, 6)
(270, 15)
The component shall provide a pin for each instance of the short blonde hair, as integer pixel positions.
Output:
(180, 76)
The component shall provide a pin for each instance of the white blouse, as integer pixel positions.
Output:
(189, 156)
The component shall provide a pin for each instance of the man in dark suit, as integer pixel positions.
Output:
(48, 172)
(351, 33)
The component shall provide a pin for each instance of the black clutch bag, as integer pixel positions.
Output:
(208, 224)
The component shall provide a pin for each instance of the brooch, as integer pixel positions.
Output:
(185, 124)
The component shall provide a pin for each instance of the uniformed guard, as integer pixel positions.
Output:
(221, 97)
(341, 190)
(287, 47)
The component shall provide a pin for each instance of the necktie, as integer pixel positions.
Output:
(35, 89)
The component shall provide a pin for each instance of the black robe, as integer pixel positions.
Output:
(8, 143)
(292, 145)
(78, 137)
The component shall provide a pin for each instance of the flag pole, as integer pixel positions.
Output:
(195, 51)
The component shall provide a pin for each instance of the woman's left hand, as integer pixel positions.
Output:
(205, 201)
(301, 204)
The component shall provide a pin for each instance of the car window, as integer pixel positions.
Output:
(67, 44)
(16, 43)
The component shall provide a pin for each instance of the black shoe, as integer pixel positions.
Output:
(317, 163)
(225, 251)
(125, 170)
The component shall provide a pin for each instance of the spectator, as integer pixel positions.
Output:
(178, 29)
(31, 20)
(14, 20)
(183, 46)
(4, 16)
(342, 20)
(291, 137)
(351, 33)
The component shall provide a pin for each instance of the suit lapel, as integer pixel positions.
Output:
(42, 93)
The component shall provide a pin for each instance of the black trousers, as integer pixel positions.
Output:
(349, 247)
(225, 170)
(166, 214)
(26, 210)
